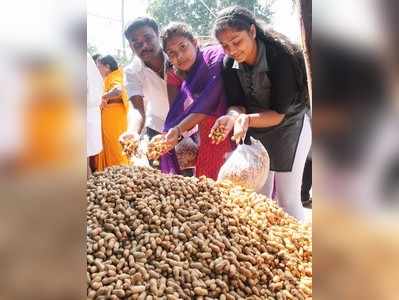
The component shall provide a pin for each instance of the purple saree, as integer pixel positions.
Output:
(201, 92)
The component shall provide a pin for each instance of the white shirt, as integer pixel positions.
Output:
(140, 80)
(94, 93)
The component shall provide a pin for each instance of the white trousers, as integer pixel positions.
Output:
(288, 184)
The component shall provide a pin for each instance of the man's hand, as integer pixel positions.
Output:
(129, 136)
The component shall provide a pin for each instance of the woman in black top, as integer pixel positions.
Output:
(266, 87)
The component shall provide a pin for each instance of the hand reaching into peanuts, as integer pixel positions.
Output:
(221, 129)
(172, 137)
(130, 143)
(129, 136)
(157, 147)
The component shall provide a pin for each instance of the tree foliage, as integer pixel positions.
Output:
(123, 59)
(196, 14)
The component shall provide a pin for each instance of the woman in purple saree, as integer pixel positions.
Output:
(199, 99)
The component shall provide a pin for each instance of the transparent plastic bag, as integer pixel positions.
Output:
(247, 166)
(186, 153)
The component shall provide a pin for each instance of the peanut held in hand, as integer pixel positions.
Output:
(217, 135)
(157, 147)
(130, 147)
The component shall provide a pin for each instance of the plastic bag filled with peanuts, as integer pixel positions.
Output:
(247, 166)
(186, 153)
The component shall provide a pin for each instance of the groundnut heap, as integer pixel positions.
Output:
(155, 236)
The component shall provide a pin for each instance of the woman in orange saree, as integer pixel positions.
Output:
(114, 110)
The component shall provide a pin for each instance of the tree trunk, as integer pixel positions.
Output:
(306, 32)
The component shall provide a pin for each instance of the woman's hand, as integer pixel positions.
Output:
(133, 136)
(104, 100)
(225, 122)
(240, 128)
(172, 137)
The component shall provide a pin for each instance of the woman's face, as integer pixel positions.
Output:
(104, 69)
(182, 52)
(240, 45)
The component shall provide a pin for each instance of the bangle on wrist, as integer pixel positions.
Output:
(179, 135)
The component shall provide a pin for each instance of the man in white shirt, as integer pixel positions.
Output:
(145, 78)
(94, 93)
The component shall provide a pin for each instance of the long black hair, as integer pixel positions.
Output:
(176, 29)
(109, 61)
(240, 19)
(96, 57)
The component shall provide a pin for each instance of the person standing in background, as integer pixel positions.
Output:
(114, 109)
(93, 113)
(96, 57)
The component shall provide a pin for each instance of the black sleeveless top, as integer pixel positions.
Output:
(283, 95)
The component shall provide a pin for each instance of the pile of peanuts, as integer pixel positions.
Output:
(217, 134)
(157, 236)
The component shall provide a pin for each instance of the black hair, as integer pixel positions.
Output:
(240, 19)
(140, 22)
(96, 56)
(109, 61)
(176, 29)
